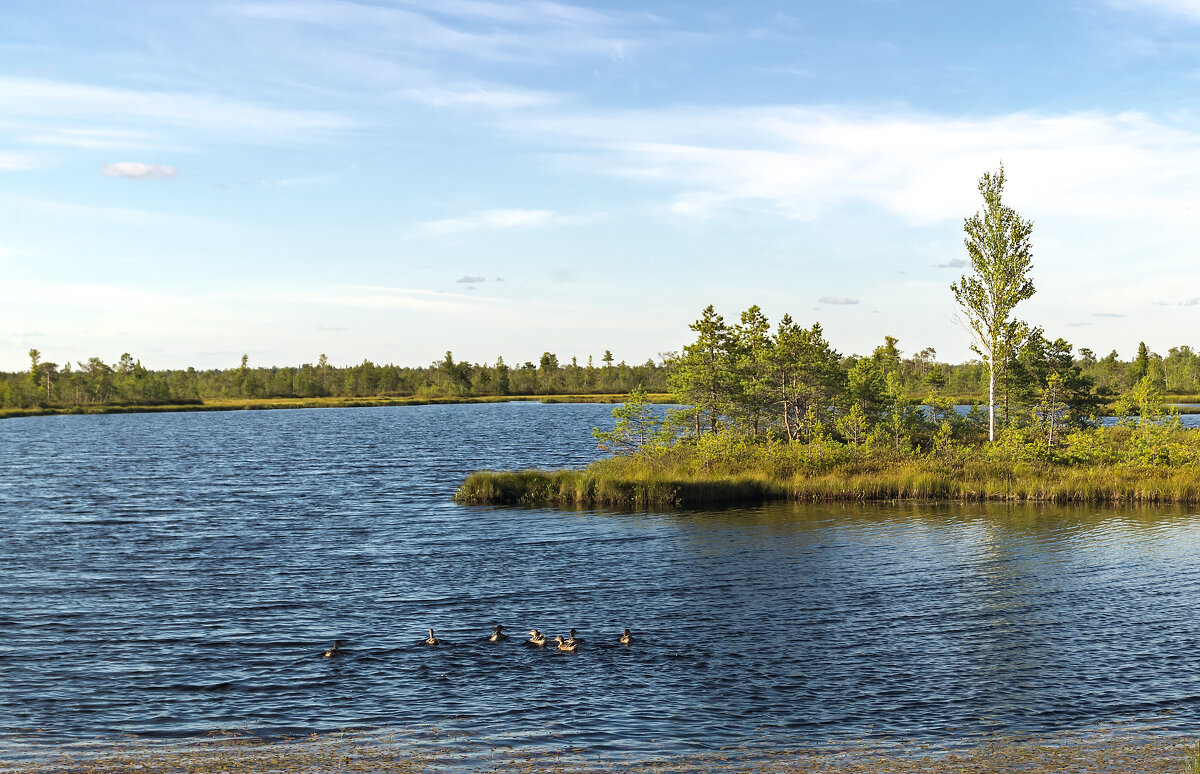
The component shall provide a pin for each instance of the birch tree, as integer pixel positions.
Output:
(998, 242)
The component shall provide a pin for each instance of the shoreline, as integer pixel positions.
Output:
(1100, 749)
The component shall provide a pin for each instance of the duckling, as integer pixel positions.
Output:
(431, 640)
(536, 637)
(569, 647)
(337, 646)
(627, 638)
(498, 635)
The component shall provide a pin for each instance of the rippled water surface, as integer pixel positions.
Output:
(168, 574)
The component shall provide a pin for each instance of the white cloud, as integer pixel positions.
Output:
(134, 170)
(837, 300)
(470, 280)
(491, 220)
(804, 163)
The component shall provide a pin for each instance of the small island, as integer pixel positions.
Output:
(771, 414)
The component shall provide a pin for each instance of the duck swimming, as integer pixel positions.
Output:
(498, 635)
(627, 638)
(569, 647)
(571, 640)
(431, 640)
(337, 646)
(536, 637)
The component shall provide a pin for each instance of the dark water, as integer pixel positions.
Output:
(168, 574)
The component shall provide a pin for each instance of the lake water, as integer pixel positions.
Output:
(169, 574)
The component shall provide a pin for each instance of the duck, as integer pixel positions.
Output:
(572, 640)
(569, 647)
(536, 637)
(498, 635)
(431, 640)
(337, 646)
(627, 638)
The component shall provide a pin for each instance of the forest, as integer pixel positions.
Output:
(914, 376)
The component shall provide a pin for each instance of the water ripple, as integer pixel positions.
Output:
(165, 575)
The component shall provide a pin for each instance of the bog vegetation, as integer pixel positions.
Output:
(776, 411)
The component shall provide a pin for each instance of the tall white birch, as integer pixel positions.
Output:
(998, 242)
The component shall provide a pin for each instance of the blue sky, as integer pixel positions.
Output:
(190, 181)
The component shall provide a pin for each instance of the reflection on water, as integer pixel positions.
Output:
(170, 574)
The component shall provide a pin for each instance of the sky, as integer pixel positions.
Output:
(391, 179)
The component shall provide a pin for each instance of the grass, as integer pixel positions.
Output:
(258, 404)
(629, 482)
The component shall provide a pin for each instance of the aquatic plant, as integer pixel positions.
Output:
(1193, 759)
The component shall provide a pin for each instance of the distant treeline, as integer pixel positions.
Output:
(127, 381)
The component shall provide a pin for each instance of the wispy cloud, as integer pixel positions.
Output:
(99, 139)
(1185, 9)
(479, 95)
(953, 263)
(381, 297)
(491, 220)
(60, 100)
(470, 280)
(99, 212)
(134, 170)
(480, 30)
(837, 300)
(14, 161)
(1106, 314)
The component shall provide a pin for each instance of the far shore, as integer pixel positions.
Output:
(1183, 404)
(267, 404)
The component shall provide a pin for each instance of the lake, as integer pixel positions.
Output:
(166, 575)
